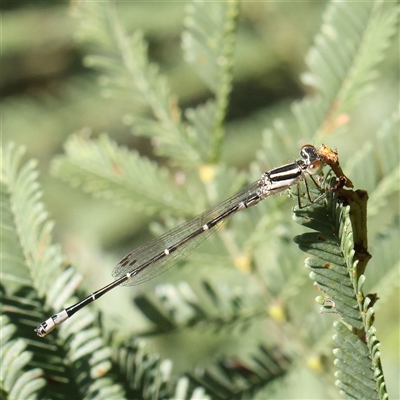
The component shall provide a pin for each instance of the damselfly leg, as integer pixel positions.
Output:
(310, 198)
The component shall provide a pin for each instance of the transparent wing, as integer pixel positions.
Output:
(136, 259)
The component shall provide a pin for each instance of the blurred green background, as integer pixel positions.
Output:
(47, 94)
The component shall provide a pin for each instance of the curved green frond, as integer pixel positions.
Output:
(237, 378)
(180, 307)
(356, 375)
(375, 166)
(376, 160)
(348, 47)
(388, 146)
(386, 279)
(208, 43)
(146, 376)
(18, 381)
(202, 122)
(209, 38)
(350, 44)
(340, 253)
(129, 75)
(25, 225)
(109, 171)
(35, 285)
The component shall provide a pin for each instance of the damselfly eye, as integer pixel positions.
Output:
(309, 153)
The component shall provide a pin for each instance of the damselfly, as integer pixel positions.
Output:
(160, 254)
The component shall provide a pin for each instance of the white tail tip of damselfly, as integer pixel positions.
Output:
(47, 326)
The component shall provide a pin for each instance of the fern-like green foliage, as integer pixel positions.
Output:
(368, 169)
(237, 379)
(32, 271)
(19, 379)
(342, 67)
(130, 69)
(146, 376)
(245, 286)
(342, 62)
(106, 170)
(180, 307)
(129, 73)
(340, 250)
(208, 43)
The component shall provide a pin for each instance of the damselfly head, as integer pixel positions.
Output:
(314, 162)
